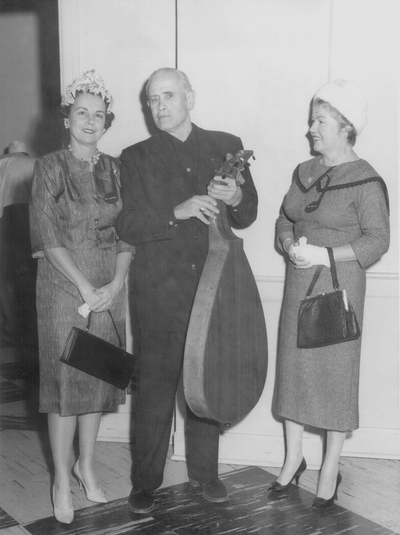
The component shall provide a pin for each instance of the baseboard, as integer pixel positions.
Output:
(116, 426)
(258, 450)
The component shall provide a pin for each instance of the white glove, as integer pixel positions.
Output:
(311, 253)
(84, 310)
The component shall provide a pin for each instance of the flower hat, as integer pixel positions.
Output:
(88, 82)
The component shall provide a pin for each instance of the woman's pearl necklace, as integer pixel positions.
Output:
(92, 160)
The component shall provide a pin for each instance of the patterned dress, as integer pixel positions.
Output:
(345, 204)
(68, 210)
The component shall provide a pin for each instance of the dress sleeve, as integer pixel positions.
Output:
(121, 246)
(283, 225)
(373, 215)
(46, 187)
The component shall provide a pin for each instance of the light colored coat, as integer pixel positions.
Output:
(319, 387)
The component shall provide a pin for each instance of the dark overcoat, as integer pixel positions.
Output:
(170, 254)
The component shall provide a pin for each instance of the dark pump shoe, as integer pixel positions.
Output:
(277, 488)
(214, 491)
(321, 503)
(141, 501)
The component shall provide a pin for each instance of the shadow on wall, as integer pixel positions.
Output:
(45, 130)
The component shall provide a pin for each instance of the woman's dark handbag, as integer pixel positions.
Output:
(98, 358)
(326, 319)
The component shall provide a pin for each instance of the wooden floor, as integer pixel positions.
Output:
(369, 496)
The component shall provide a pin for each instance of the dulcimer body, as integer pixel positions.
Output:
(226, 352)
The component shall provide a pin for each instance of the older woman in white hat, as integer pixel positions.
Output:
(336, 200)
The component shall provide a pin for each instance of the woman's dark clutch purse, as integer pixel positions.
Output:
(326, 319)
(99, 358)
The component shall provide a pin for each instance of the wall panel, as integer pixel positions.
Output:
(255, 65)
(125, 41)
(365, 48)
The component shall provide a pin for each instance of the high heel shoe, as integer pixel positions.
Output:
(321, 503)
(277, 488)
(96, 496)
(65, 516)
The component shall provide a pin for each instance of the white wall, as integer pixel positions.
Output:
(125, 41)
(255, 65)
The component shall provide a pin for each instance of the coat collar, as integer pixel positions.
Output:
(164, 158)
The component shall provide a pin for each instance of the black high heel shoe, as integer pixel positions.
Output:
(277, 488)
(321, 503)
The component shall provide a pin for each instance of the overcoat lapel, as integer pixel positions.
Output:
(210, 158)
(167, 167)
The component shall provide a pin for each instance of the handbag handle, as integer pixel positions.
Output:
(115, 327)
(335, 281)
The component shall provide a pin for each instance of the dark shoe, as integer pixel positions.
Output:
(321, 503)
(277, 488)
(141, 501)
(214, 491)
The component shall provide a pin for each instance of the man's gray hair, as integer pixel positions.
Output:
(181, 76)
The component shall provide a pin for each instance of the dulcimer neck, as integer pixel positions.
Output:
(220, 228)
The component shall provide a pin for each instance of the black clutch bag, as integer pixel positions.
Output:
(326, 319)
(98, 358)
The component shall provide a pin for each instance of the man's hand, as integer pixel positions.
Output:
(226, 190)
(201, 206)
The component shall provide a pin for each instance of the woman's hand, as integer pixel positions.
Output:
(297, 260)
(106, 295)
(62, 260)
(88, 294)
(289, 246)
(312, 254)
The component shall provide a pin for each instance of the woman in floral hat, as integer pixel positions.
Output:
(75, 201)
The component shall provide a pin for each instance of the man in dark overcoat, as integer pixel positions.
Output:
(169, 199)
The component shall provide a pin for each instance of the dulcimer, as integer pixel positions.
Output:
(226, 352)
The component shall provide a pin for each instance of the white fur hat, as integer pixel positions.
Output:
(348, 99)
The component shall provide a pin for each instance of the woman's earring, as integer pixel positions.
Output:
(66, 123)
